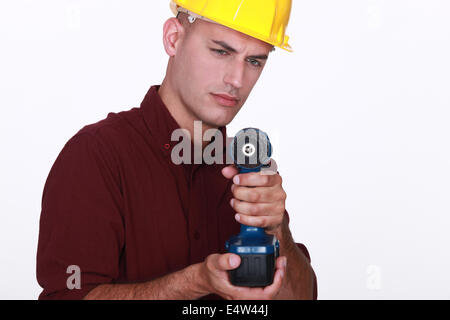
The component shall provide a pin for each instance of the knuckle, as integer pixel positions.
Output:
(263, 222)
(254, 196)
(280, 207)
(254, 209)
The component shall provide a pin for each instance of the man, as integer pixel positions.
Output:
(121, 221)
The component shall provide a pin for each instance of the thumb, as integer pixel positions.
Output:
(230, 171)
(228, 261)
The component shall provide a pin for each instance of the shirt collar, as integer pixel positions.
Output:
(161, 124)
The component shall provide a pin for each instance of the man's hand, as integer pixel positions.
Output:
(213, 272)
(259, 198)
(259, 201)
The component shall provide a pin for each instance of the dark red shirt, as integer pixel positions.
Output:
(116, 206)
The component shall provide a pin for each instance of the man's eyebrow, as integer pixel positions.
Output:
(224, 45)
(261, 57)
(231, 49)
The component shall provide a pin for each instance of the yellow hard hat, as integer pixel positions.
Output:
(265, 20)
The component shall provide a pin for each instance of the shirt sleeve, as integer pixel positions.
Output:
(304, 250)
(81, 223)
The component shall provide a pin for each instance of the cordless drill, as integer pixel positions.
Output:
(251, 151)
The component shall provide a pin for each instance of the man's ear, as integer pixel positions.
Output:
(173, 32)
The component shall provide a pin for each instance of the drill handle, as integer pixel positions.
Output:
(249, 230)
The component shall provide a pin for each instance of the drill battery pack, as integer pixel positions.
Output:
(258, 252)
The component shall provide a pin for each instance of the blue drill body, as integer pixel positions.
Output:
(257, 249)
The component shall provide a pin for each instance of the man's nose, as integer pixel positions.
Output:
(235, 74)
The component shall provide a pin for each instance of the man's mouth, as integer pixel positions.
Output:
(225, 99)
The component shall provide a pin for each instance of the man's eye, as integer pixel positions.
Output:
(220, 52)
(254, 62)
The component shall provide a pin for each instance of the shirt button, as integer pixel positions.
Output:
(167, 146)
(196, 235)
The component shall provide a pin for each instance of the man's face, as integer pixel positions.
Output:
(215, 69)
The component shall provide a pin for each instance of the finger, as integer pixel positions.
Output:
(280, 274)
(281, 263)
(249, 208)
(272, 290)
(256, 179)
(271, 222)
(258, 209)
(258, 194)
(230, 171)
(224, 262)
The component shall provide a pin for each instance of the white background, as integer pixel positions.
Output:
(358, 115)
